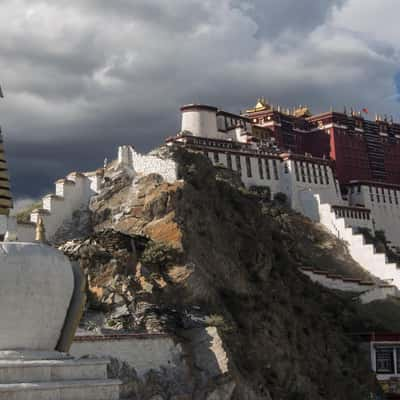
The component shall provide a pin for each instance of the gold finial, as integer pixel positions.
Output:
(40, 235)
(302, 111)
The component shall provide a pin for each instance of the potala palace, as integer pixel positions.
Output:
(338, 169)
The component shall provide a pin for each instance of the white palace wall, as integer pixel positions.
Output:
(147, 164)
(368, 291)
(201, 122)
(280, 176)
(72, 193)
(363, 253)
(384, 203)
(314, 192)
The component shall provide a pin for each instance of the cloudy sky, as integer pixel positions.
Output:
(81, 77)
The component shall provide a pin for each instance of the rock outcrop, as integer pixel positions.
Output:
(216, 267)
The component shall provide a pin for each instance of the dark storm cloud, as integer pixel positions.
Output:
(83, 76)
(274, 18)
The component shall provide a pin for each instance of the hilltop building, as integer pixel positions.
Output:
(361, 149)
(340, 170)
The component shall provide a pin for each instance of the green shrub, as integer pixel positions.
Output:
(24, 216)
(158, 254)
(280, 199)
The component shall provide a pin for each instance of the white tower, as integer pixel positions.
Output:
(200, 120)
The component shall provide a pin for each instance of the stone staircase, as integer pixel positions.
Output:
(367, 291)
(365, 254)
(65, 379)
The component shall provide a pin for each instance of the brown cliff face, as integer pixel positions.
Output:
(220, 257)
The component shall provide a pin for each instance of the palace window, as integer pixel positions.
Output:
(303, 175)
(378, 198)
(268, 172)
(383, 195)
(320, 175)
(275, 167)
(238, 165)
(308, 172)
(285, 168)
(248, 167)
(314, 172)
(216, 157)
(396, 200)
(229, 160)
(384, 358)
(296, 170)
(260, 168)
(326, 174)
(390, 196)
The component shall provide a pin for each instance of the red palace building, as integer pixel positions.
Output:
(360, 149)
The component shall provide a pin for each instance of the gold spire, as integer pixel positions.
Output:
(261, 105)
(40, 235)
(302, 111)
(5, 193)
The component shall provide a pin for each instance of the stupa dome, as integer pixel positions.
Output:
(36, 287)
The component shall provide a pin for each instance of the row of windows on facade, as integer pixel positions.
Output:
(387, 360)
(230, 122)
(212, 143)
(311, 173)
(264, 170)
(380, 193)
(345, 213)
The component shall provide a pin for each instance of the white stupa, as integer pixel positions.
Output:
(41, 302)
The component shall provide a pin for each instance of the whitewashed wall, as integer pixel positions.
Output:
(201, 122)
(142, 353)
(147, 164)
(72, 193)
(363, 253)
(369, 291)
(384, 204)
(280, 176)
(270, 167)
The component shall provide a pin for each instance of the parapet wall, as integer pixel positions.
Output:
(363, 253)
(147, 164)
(144, 352)
(369, 291)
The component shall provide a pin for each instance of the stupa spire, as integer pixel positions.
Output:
(5, 192)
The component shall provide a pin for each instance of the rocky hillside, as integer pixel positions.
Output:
(216, 266)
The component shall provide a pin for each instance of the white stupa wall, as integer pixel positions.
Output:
(35, 291)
